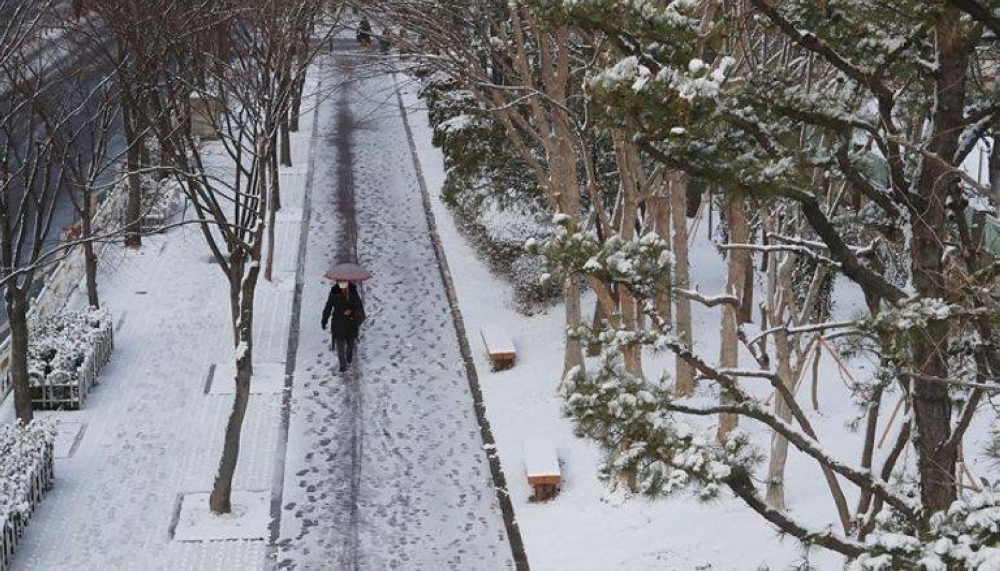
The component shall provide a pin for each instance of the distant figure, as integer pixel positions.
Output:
(404, 43)
(345, 313)
(385, 40)
(365, 32)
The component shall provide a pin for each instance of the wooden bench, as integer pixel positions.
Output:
(499, 347)
(541, 465)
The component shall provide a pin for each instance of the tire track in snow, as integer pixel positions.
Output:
(347, 251)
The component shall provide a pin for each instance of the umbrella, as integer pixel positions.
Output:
(348, 271)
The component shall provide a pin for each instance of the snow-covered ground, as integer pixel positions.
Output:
(384, 466)
(151, 431)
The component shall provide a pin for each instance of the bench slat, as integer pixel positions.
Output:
(496, 341)
(540, 460)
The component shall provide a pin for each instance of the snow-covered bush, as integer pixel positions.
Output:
(24, 453)
(25, 472)
(65, 356)
(966, 536)
(159, 201)
(993, 445)
(488, 188)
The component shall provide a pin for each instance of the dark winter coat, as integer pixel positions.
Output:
(344, 325)
(364, 33)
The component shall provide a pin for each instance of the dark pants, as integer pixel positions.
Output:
(345, 350)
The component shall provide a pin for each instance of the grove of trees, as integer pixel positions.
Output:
(829, 139)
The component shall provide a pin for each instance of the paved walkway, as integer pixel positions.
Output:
(385, 467)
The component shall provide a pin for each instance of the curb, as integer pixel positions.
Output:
(489, 443)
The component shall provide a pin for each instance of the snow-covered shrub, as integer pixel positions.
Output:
(966, 536)
(492, 194)
(159, 200)
(25, 472)
(993, 446)
(24, 452)
(65, 355)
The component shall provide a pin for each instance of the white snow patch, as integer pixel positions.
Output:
(268, 378)
(249, 519)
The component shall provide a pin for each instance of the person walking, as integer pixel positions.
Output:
(364, 33)
(385, 40)
(345, 313)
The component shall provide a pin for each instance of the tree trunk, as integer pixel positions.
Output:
(994, 171)
(573, 357)
(286, 141)
(683, 373)
(133, 205)
(273, 204)
(746, 297)
(89, 255)
(164, 124)
(296, 107)
(631, 355)
(932, 423)
(144, 157)
(736, 273)
(220, 500)
(594, 348)
(779, 444)
(17, 318)
(275, 183)
(932, 405)
(663, 214)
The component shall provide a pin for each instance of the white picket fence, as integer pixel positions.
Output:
(35, 479)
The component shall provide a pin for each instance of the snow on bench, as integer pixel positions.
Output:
(499, 347)
(541, 464)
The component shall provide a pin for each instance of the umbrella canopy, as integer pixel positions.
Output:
(348, 271)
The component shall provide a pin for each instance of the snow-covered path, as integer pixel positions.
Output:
(385, 467)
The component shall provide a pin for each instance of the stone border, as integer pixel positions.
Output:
(77, 437)
(269, 379)
(489, 444)
(194, 522)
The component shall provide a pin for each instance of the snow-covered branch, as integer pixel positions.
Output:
(766, 248)
(795, 330)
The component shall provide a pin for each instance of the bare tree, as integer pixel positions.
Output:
(32, 114)
(90, 163)
(126, 38)
(234, 55)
